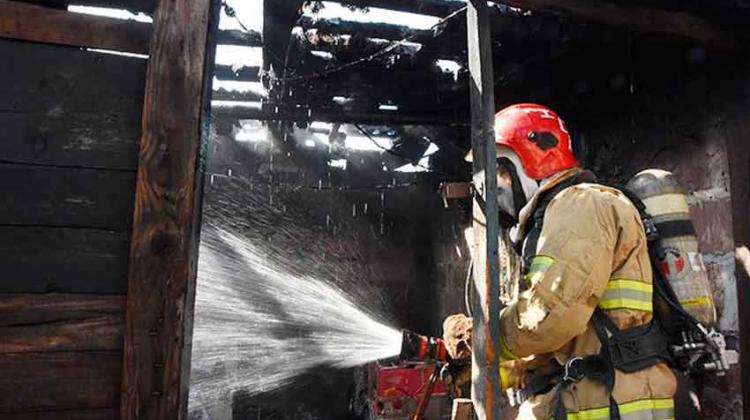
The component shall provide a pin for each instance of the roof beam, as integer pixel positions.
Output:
(365, 29)
(240, 74)
(237, 37)
(639, 19)
(34, 23)
(233, 95)
(146, 6)
(440, 8)
(343, 116)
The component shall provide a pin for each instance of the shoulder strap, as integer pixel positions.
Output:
(527, 246)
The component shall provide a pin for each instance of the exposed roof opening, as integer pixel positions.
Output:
(110, 12)
(334, 11)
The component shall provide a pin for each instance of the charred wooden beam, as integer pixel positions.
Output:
(65, 197)
(40, 24)
(278, 19)
(426, 7)
(146, 6)
(240, 74)
(639, 19)
(94, 331)
(23, 309)
(77, 414)
(359, 117)
(337, 44)
(237, 37)
(233, 95)
(97, 97)
(63, 259)
(166, 219)
(59, 380)
(365, 29)
(485, 308)
(101, 333)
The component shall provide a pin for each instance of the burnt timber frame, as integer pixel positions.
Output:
(485, 375)
(166, 220)
(30, 22)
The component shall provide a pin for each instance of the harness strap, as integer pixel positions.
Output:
(599, 319)
(627, 350)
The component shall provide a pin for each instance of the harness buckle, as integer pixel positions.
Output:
(516, 396)
(572, 373)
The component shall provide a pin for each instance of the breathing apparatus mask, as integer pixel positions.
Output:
(514, 187)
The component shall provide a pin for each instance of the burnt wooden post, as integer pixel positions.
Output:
(164, 248)
(485, 385)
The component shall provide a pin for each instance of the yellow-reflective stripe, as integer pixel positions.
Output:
(698, 301)
(651, 409)
(539, 266)
(630, 285)
(541, 260)
(628, 294)
(619, 303)
(666, 204)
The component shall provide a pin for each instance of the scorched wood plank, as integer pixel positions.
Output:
(31, 22)
(66, 197)
(64, 380)
(63, 260)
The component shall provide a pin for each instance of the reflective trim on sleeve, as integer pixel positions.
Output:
(628, 294)
(539, 266)
(651, 409)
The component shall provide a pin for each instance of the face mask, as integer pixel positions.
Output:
(510, 194)
(515, 187)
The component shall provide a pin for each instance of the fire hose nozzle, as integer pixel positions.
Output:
(416, 347)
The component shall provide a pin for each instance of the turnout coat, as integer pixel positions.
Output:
(591, 252)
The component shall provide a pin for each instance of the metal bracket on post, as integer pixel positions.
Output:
(485, 388)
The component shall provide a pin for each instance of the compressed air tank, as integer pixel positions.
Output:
(677, 248)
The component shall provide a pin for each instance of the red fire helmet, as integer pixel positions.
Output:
(538, 136)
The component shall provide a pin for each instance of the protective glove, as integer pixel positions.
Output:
(457, 336)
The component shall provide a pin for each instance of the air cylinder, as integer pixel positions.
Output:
(677, 248)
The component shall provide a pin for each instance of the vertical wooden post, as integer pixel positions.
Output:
(485, 387)
(164, 248)
(739, 168)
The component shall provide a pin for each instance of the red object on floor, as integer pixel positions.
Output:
(397, 390)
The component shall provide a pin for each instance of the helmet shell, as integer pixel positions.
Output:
(538, 136)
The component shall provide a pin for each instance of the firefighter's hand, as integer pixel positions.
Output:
(743, 256)
(457, 336)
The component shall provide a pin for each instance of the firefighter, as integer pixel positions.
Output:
(586, 274)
